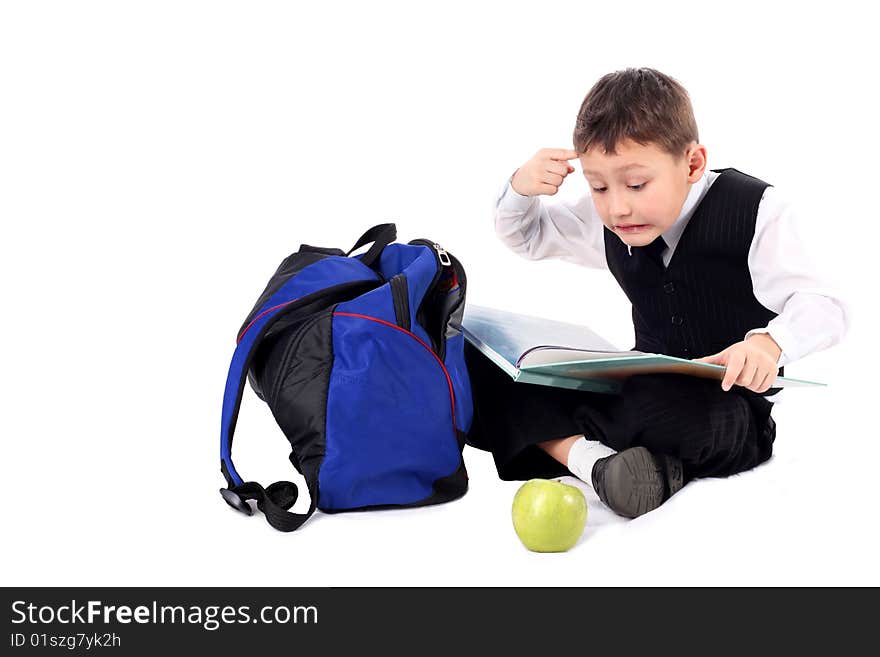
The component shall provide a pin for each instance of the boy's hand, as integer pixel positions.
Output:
(750, 363)
(544, 173)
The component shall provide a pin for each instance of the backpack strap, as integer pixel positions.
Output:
(272, 501)
(280, 496)
(275, 500)
(381, 236)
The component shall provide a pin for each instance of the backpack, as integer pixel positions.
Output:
(361, 361)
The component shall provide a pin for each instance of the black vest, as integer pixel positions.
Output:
(703, 301)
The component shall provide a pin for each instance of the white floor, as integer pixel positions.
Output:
(152, 516)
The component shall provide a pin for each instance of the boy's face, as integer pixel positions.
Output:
(639, 192)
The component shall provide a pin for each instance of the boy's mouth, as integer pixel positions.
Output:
(631, 228)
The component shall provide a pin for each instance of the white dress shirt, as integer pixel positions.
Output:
(811, 315)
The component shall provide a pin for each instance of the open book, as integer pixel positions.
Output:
(535, 350)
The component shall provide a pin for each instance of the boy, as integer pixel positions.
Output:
(712, 266)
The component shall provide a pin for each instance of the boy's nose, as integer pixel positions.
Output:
(618, 207)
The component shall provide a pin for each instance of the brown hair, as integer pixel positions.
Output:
(641, 104)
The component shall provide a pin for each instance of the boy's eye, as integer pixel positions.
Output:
(633, 187)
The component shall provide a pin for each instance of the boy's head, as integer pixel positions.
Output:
(637, 141)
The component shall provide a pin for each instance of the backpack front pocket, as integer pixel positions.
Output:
(390, 417)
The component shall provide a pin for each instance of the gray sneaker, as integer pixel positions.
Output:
(634, 481)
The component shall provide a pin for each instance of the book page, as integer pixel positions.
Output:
(512, 335)
(548, 355)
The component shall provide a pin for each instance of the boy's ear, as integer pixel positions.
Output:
(696, 161)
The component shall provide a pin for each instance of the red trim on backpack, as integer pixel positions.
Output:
(268, 310)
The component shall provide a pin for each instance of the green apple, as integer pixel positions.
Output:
(549, 516)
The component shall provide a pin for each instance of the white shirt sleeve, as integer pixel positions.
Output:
(536, 229)
(812, 315)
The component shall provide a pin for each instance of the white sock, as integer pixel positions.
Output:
(583, 455)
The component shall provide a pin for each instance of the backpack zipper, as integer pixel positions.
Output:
(444, 259)
(442, 255)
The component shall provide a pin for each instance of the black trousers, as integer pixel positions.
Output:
(714, 433)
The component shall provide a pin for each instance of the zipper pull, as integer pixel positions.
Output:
(444, 257)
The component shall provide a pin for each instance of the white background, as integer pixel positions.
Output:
(159, 159)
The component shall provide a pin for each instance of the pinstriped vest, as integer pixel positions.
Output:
(703, 301)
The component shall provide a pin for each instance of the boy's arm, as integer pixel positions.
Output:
(812, 315)
(535, 229)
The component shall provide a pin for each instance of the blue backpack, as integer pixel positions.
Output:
(361, 361)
